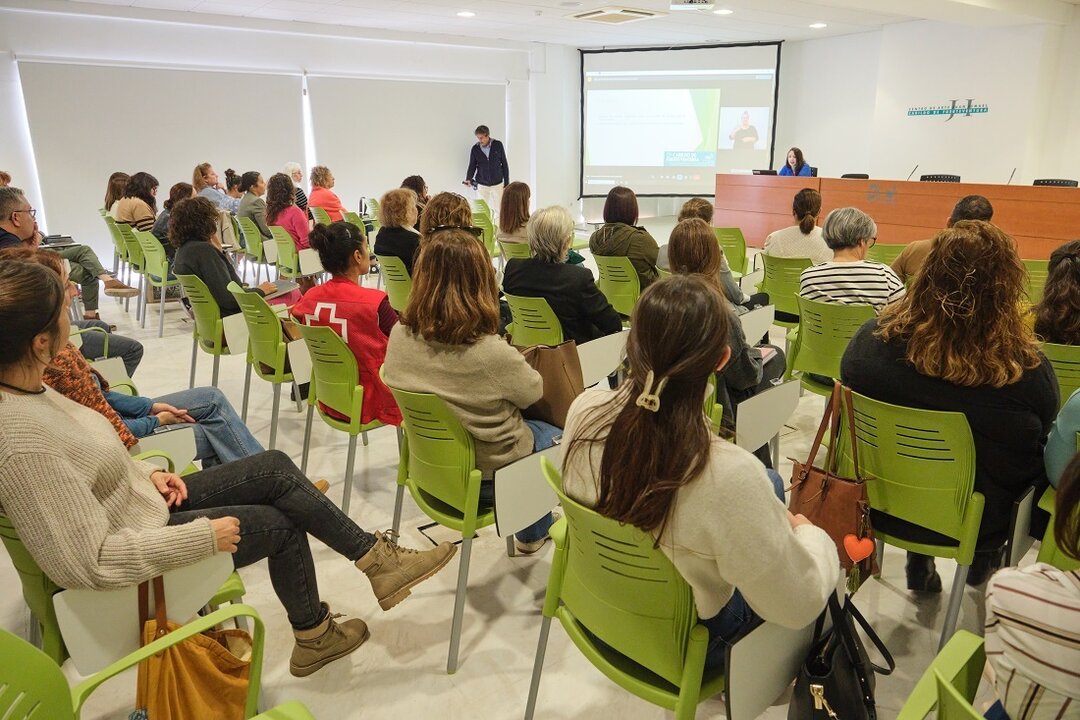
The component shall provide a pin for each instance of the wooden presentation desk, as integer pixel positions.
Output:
(1039, 218)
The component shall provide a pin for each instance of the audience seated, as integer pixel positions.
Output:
(911, 259)
(322, 180)
(1033, 623)
(179, 191)
(958, 342)
(397, 219)
(849, 277)
(446, 343)
(136, 521)
(1057, 316)
(138, 206)
(1061, 443)
(514, 213)
(418, 186)
(618, 236)
(715, 512)
(296, 174)
(804, 238)
(583, 311)
(193, 231)
(252, 204)
(5, 178)
(206, 183)
(114, 191)
(362, 316)
(447, 210)
(232, 184)
(281, 209)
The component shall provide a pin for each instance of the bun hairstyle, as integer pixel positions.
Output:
(31, 301)
(232, 180)
(179, 191)
(248, 180)
(336, 244)
(806, 207)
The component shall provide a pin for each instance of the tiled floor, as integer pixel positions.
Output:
(400, 672)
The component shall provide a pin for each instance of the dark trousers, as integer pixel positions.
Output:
(93, 345)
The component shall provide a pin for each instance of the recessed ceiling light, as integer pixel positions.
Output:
(570, 3)
(722, 11)
(466, 13)
(818, 26)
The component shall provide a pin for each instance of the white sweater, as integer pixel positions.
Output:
(726, 530)
(792, 243)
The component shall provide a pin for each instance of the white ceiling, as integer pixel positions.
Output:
(546, 21)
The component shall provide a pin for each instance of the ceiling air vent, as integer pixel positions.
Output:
(615, 15)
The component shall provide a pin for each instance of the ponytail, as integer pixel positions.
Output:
(807, 223)
(806, 206)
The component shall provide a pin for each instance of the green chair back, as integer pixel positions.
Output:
(951, 704)
(483, 221)
(1049, 551)
(619, 282)
(131, 244)
(208, 330)
(253, 239)
(512, 250)
(483, 207)
(335, 378)
(31, 684)
(922, 465)
(373, 214)
(610, 583)
(535, 323)
(1065, 360)
(825, 329)
(119, 246)
(960, 663)
(733, 244)
(288, 261)
(321, 216)
(266, 351)
(155, 261)
(781, 281)
(398, 282)
(884, 253)
(353, 218)
(37, 591)
(1037, 271)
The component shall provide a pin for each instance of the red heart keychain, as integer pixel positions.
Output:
(857, 548)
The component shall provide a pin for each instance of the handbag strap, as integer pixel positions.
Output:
(160, 611)
(843, 628)
(873, 637)
(826, 422)
(849, 410)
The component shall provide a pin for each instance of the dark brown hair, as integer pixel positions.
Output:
(1057, 316)
(799, 161)
(806, 207)
(31, 301)
(336, 244)
(179, 191)
(697, 208)
(280, 194)
(417, 185)
(621, 206)
(115, 189)
(249, 180)
(445, 209)
(1067, 510)
(679, 332)
(192, 220)
(514, 207)
(141, 185)
(693, 250)
(961, 317)
(454, 297)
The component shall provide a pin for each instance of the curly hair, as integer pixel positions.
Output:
(445, 209)
(280, 194)
(397, 207)
(192, 220)
(1057, 316)
(320, 176)
(961, 317)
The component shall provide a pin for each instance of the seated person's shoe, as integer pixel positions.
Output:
(394, 570)
(529, 548)
(115, 288)
(985, 564)
(326, 642)
(922, 576)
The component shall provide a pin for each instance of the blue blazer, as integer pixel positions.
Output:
(786, 170)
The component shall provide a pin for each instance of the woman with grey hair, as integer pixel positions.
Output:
(293, 170)
(849, 277)
(582, 309)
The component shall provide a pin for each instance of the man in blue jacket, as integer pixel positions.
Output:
(488, 171)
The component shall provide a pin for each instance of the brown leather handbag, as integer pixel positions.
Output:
(560, 368)
(836, 504)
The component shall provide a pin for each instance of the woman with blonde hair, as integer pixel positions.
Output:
(397, 237)
(447, 210)
(958, 342)
(322, 196)
(207, 184)
(446, 343)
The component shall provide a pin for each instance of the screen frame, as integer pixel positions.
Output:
(581, 98)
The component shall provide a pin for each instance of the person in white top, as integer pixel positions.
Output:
(645, 455)
(804, 238)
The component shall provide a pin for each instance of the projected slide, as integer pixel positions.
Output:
(666, 121)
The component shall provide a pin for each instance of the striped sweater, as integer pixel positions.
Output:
(853, 283)
(1033, 641)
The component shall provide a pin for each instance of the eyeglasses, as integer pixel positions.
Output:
(475, 231)
(32, 212)
(871, 242)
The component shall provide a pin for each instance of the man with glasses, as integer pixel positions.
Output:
(488, 171)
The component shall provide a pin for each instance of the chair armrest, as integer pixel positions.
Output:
(964, 651)
(149, 454)
(83, 331)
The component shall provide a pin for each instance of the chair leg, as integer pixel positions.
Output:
(459, 606)
(348, 475)
(363, 436)
(161, 314)
(953, 613)
(274, 414)
(774, 445)
(143, 302)
(511, 551)
(879, 550)
(194, 358)
(398, 498)
(247, 392)
(299, 400)
(307, 439)
(33, 630)
(538, 667)
(258, 272)
(217, 364)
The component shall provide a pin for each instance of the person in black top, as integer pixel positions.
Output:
(398, 237)
(582, 309)
(959, 342)
(745, 135)
(488, 171)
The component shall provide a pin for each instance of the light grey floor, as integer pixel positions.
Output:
(400, 672)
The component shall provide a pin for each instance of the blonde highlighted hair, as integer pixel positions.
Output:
(449, 209)
(397, 208)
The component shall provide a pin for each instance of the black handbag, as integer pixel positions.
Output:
(836, 682)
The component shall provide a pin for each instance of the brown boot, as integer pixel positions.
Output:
(325, 643)
(393, 570)
(115, 288)
(321, 485)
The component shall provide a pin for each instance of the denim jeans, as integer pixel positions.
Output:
(93, 345)
(220, 435)
(278, 508)
(544, 436)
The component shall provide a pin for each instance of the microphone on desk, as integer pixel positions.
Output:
(913, 171)
(1011, 177)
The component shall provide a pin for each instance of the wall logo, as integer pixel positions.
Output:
(962, 108)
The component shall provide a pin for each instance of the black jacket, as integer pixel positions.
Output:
(210, 265)
(488, 169)
(398, 242)
(582, 309)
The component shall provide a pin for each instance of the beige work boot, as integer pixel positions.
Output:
(325, 643)
(393, 570)
(115, 288)
(321, 485)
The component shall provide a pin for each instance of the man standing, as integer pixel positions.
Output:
(488, 171)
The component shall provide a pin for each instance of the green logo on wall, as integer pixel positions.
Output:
(963, 108)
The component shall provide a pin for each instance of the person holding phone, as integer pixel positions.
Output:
(488, 171)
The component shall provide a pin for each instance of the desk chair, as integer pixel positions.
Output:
(855, 176)
(940, 178)
(1055, 182)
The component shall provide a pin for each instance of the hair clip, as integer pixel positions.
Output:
(648, 399)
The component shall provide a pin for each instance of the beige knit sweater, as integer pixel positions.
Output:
(87, 512)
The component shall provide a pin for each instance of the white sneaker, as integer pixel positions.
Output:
(530, 548)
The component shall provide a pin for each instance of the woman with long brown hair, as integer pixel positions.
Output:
(1057, 316)
(514, 213)
(446, 344)
(644, 455)
(957, 341)
(114, 191)
(281, 209)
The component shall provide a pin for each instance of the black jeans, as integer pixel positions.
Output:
(277, 507)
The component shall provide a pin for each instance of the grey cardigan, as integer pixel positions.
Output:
(254, 207)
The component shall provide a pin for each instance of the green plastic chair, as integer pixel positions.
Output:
(155, 265)
(320, 216)
(253, 245)
(619, 282)
(134, 262)
(483, 221)
(266, 351)
(37, 590)
(1065, 360)
(921, 465)
(75, 338)
(626, 608)
(733, 244)
(438, 466)
(351, 217)
(207, 332)
(535, 323)
(951, 704)
(32, 686)
(512, 250)
(960, 664)
(884, 253)
(825, 329)
(781, 281)
(482, 206)
(1037, 270)
(397, 281)
(373, 214)
(288, 260)
(1049, 551)
(119, 247)
(335, 384)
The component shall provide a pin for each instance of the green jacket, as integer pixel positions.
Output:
(636, 243)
